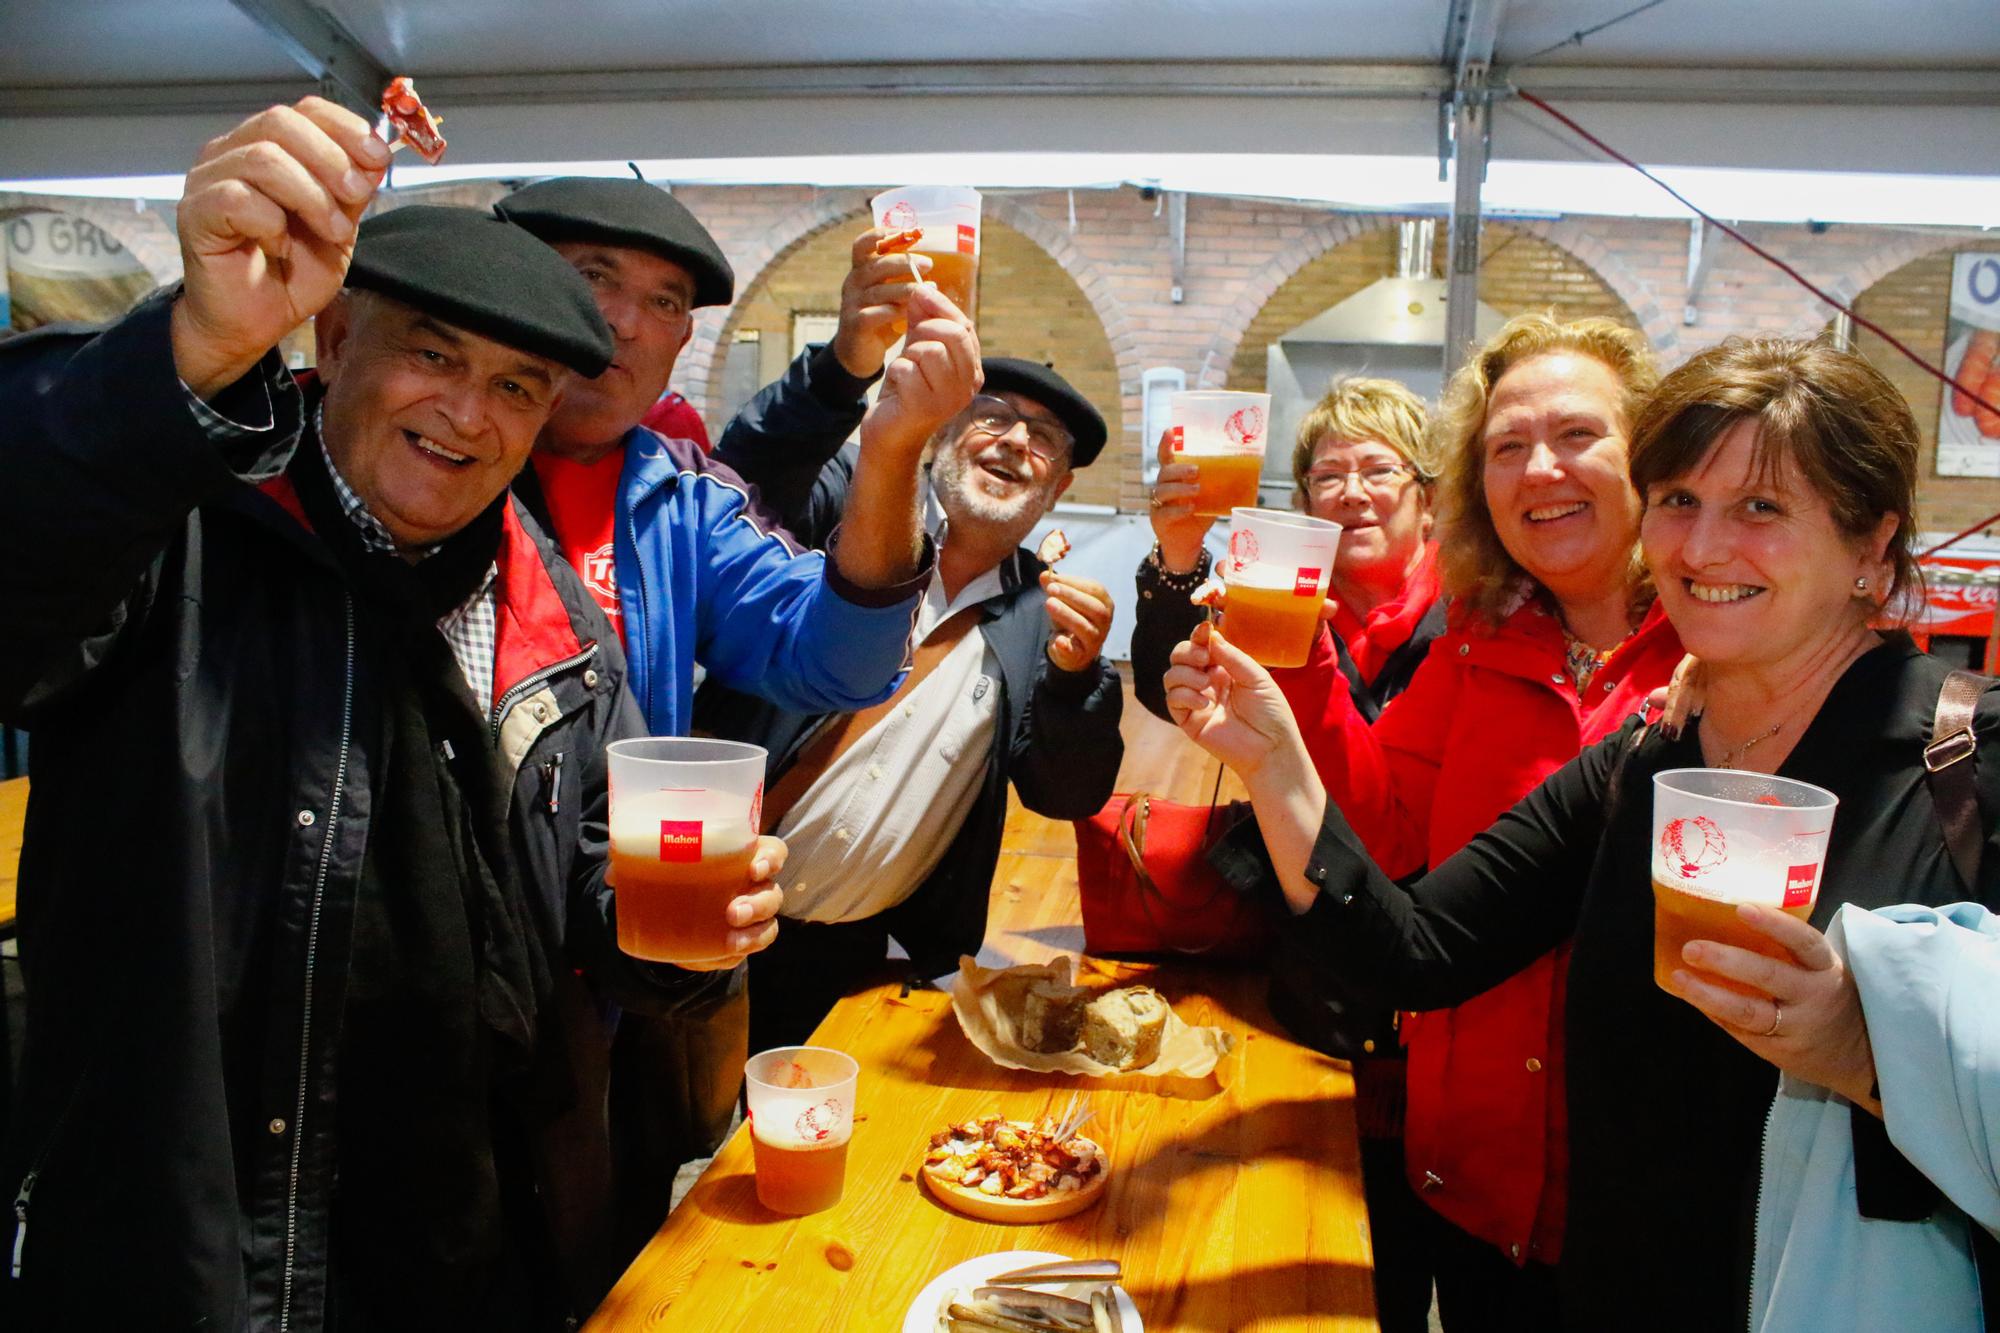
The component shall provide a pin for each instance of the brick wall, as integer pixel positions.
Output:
(1085, 279)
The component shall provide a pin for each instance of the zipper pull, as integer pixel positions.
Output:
(21, 1220)
(552, 774)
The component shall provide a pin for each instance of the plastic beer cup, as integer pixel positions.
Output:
(684, 816)
(1223, 433)
(801, 1101)
(1275, 577)
(948, 216)
(1722, 837)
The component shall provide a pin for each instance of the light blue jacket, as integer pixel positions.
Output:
(1929, 980)
(703, 575)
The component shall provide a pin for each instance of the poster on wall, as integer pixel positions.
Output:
(1968, 433)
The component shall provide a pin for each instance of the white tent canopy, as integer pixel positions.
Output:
(1300, 90)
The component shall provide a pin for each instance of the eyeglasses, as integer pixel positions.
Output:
(997, 417)
(1379, 477)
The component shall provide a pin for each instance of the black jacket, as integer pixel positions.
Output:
(1056, 736)
(205, 716)
(1666, 1110)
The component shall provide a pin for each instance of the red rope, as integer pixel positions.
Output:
(1792, 273)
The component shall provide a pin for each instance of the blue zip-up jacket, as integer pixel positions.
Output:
(706, 575)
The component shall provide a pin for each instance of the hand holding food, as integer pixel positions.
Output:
(267, 228)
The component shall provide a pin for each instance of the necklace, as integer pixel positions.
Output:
(1730, 757)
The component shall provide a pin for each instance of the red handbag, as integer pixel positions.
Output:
(1148, 889)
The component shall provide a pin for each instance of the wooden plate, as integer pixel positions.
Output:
(998, 1208)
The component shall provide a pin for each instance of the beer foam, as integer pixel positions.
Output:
(1264, 578)
(636, 817)
(799, 1120)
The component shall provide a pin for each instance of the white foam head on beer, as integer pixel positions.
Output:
(797, 1119)
(636, 817)
(1754, 869)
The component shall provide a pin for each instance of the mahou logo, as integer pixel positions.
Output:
(1693, 846)
(680, 840)
(1306, 582)
(1799, 885)
(600, 573)
(968, 239)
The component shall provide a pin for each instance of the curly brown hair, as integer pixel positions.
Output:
(1476, 569)
(1839, 421)
(1359, 408)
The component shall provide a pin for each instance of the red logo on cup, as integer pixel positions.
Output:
(901, 216)
(1306, 584)
(680, 840)
(1176, 438)
(1799, 885)
(1693, 846)
(1245, 426)
(1242, 548)
(757, 810)
(816, 1123)
(967, 238)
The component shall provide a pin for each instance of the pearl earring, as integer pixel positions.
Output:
(1861, 585)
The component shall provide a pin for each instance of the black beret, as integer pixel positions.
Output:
(1032, 379)
(485, 276)
(624, 212)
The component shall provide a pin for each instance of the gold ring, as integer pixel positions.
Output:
(1777, 1019)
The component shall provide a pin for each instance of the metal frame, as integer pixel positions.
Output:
(325, 47)
(1471, 30)
(348, 72)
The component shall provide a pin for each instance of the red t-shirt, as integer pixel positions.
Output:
(674, 417)
(583, 504)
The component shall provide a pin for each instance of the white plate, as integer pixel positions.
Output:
(923, 1312)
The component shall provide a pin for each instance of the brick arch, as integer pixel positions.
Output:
(147, 235)
(1879, 264)
(701, 364)
(700, 367)
(1571, 236)
(1333, 232)
(1256, 291)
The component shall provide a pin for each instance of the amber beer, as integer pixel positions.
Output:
(798, 1178)
(801, 1102)
(1227, 481)
(1680, 916)
(677, 859)
(1274, 625)
(957, 276)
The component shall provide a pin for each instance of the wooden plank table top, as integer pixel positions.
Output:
(13, 811)
(1234, 1201)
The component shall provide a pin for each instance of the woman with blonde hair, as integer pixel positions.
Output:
(1553, 641)
(1361, 459)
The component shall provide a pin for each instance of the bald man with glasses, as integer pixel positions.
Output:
(894, 814)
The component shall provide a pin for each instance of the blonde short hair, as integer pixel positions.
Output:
(1475, 567)
(1357, 408)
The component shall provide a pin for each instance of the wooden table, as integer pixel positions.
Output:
(13, 810)
(1234, 1203)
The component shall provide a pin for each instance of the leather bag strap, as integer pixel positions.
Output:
(1953, 790)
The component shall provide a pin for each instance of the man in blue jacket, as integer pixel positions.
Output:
(668, 539)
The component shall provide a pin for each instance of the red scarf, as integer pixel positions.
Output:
(1389, 626)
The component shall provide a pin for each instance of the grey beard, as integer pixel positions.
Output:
(956, 490)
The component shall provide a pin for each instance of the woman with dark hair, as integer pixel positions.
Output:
(1778, 480)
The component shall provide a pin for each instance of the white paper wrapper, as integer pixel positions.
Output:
(989, 1003)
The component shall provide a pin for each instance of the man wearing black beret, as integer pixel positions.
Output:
(893, 815)
(313, 879)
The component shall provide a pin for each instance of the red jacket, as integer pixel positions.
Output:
(1486, 718)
